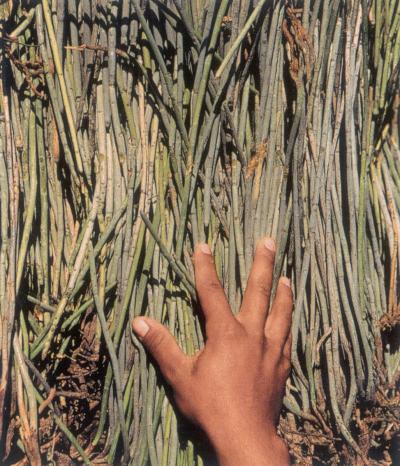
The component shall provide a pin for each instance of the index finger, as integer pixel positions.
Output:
(215, 306)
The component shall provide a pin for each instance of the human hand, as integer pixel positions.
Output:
(233, 388)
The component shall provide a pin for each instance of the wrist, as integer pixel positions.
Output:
(248, 445)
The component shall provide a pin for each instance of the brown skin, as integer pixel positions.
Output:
(233, 388)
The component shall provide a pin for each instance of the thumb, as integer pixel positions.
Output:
(162, 346)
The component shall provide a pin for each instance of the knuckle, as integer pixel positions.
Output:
(154, 340)
(262, 286)
(281, 361)
(211, 285)
(274, 345)
(233, 331)
(231, 334)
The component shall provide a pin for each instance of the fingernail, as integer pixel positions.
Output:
(269, 243)
(204, 248)
(140, 327)
(285, 281)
